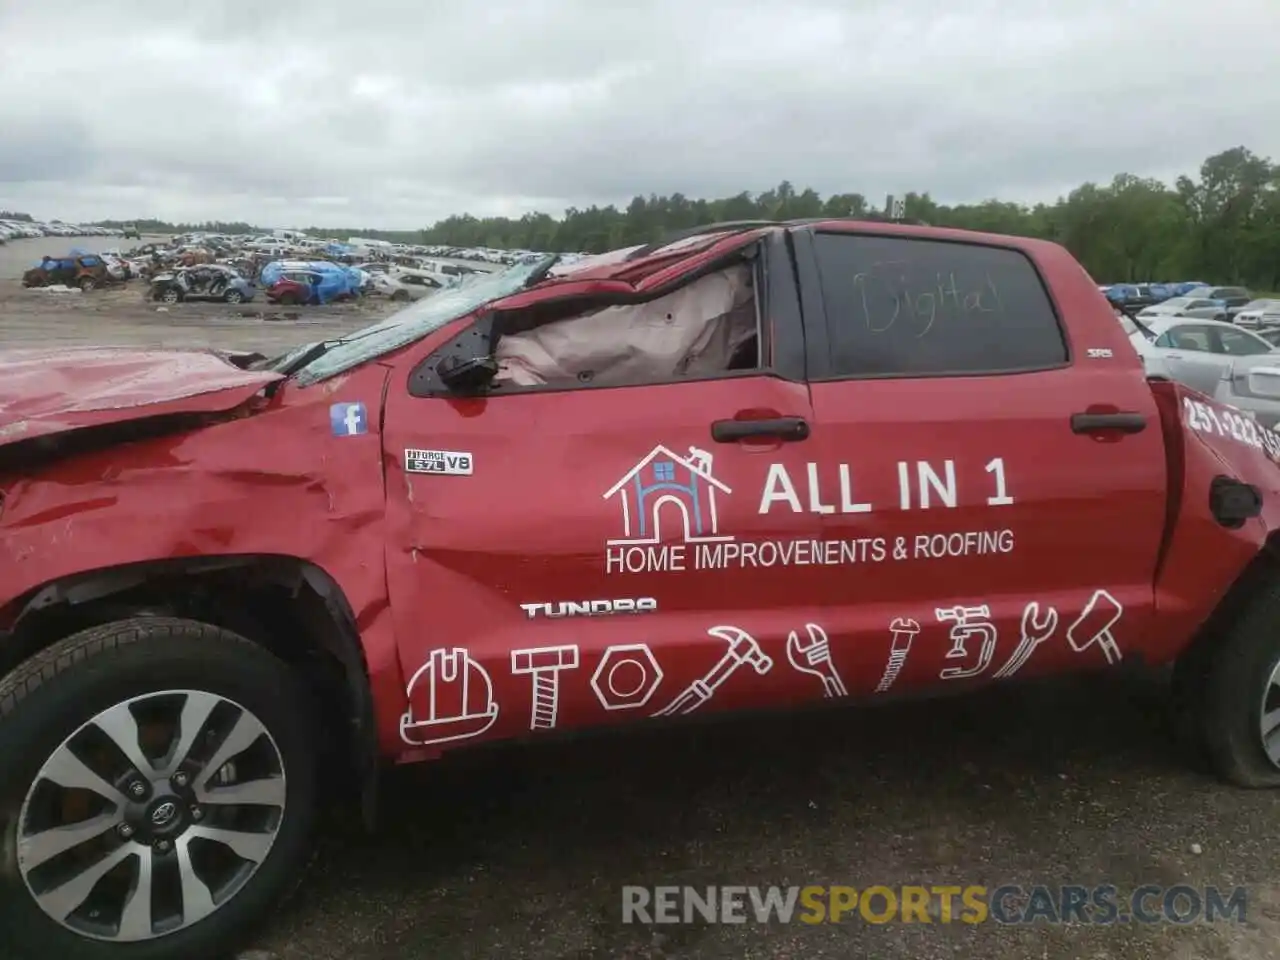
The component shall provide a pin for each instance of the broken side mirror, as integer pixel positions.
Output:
(467, 374)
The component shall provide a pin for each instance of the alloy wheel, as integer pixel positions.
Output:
(151, 816)
(1269, 724)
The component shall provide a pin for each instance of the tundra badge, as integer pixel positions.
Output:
(590, 608)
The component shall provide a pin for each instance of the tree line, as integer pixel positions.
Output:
(1222, 226)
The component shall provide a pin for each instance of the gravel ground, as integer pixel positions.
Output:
(523, 852)
(121, 316)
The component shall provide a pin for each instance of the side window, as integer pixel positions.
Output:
(709, 327)
(1164, 340)
(1241, 344)
(1190, 338)
(907, 307)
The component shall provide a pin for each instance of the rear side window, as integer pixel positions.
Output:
(1187, 338)
(907, 307)
(1240, 344)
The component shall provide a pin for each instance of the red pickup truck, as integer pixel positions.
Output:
(760, 465)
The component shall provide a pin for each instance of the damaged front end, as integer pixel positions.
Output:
(48, 393)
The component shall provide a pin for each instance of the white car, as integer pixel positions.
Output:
(268, 245)
(407, 285)
(1192, 351)
(1258, 314)
(1186, 307)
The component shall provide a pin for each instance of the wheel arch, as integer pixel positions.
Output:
(1261, 573)
(290, 606)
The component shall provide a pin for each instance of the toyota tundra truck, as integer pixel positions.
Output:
(758, 465)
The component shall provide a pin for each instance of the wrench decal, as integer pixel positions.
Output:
(743, 649)
(814, 658)
(1035, 631)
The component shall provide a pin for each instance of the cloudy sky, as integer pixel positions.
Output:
(394, 113)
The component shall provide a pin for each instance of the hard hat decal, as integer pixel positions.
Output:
(450, 698)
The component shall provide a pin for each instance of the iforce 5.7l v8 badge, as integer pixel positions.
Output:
(446, 462)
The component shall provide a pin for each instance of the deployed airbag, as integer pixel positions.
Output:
(691, 332)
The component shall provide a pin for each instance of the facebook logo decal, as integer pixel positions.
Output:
(348, 419)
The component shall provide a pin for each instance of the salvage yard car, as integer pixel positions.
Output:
(1259, 314)
(761, 465)
(1193, 352)
(1233, 299)
(403, 285)
(210, 281)
(1186, 307)
(1252, 386)
(84, 271)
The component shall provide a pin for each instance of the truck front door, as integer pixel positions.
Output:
(1012, 524)
(577, 556)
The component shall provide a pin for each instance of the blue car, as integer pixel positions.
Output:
(316, 281)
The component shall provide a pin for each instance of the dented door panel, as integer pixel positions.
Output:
(499, 577)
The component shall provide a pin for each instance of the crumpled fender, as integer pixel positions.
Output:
(284, 481)
(1201, 559)
(48, 391)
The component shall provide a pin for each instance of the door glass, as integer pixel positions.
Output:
(1189, 338)
(910, 307)
(1241, 344)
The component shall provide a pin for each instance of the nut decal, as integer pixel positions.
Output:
(627, 677)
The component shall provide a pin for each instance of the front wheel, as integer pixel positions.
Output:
(158, 792)
(1232, 687)
(233, 296)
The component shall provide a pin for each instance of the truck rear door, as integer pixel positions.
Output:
(1010, 482)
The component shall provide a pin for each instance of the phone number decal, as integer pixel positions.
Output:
(1203, 418)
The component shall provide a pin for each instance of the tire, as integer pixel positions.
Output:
(1235, 690)
(170, 296)
(288, 300)
(233, 296)
(54, 697)
(400, 296)
(87, 284)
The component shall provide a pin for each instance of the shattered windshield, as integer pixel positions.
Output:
(413, 322)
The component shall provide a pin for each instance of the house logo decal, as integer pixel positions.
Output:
(665, 488)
